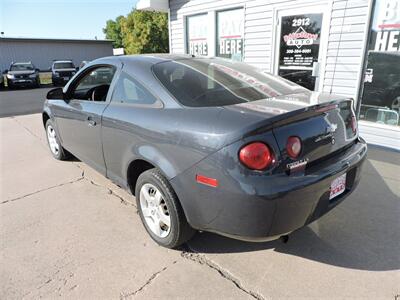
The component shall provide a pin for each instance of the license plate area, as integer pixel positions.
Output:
(66, 78)
(338, 186)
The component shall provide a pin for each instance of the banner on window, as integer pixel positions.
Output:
(197, 35)
(386, 26)
(230, 34)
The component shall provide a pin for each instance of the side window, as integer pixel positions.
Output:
(94, 85)
(128, 90)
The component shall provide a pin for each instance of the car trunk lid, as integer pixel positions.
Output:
(324, 123)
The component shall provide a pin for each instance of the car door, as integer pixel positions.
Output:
(80, 123)
(126, 122)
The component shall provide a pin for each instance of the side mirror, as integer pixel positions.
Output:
(56, 94)
(37, 70)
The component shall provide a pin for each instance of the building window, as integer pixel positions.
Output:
(230, 34)
(380, 101)
(197, 35)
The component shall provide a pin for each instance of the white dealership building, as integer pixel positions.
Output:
(346, 47)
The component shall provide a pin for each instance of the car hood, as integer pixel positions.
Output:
(21, 72)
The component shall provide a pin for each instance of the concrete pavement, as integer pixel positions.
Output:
(66, 231)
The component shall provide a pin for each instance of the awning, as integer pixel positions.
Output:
(153, 5)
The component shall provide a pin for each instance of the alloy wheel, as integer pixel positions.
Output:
(52, 138)
(155, 210)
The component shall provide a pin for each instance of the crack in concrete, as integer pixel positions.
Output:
(201, 259)
(27, 129)
(112, 193)
(42, 190)
(109, 190)
(147, 283)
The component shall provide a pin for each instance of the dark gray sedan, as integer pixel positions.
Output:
(208, 144)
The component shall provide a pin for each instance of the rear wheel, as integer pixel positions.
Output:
(160, 210)
(56, 149)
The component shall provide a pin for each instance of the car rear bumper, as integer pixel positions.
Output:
(265, 207)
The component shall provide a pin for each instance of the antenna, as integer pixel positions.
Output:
(338, 48)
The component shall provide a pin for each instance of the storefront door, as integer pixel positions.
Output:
(300, 35)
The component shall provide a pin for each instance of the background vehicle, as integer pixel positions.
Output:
(208, 144)
(62, 71)
(1, 80)
(22, 74)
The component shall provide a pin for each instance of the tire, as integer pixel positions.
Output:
(178, 231)
(61, 153)
(396, 104)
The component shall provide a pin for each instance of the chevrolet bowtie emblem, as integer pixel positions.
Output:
(330, 130)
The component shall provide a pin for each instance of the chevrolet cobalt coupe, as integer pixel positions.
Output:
(208, 144)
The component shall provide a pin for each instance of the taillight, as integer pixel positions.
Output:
(293, 146)
(354, 124)
(256, 156)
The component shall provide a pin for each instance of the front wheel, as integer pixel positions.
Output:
(160, 210)
(396, 104)
(56, 149)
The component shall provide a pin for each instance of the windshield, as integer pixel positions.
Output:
(218, 82)
(64, 65)
(21, 67)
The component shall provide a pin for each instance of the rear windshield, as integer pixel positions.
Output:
(216, 82)
(64, 65)
(21, 67)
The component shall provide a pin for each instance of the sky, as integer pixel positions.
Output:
(68, 19)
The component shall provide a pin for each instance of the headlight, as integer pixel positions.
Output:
(10, 76)
(32, 76)
(73, 73)
(56, 74)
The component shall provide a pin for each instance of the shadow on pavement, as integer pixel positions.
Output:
(361, 233)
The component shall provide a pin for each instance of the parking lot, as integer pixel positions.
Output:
(23, 101)
(66, 231)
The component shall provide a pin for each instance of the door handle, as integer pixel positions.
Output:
(91, 122)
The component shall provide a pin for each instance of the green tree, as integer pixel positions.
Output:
(140, 32)
(113, 31)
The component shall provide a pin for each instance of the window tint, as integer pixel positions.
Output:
(128, 90)
(97, 80)
(218, 82)
(21, 67)
(64, 65)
